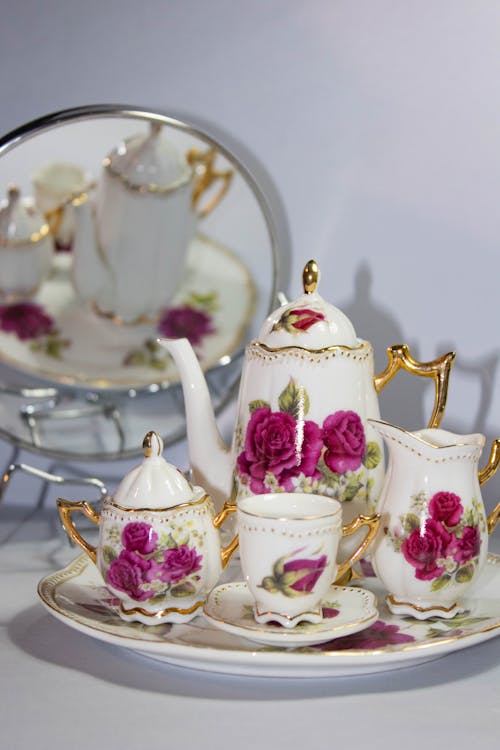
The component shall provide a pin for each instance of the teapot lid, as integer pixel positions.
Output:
(154, 484)
(21, 222)
(309, 322)
(149, 163)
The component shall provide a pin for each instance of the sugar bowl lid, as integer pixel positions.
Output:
(149, 163)
(21, 223)
(154, 484)
(309, 321)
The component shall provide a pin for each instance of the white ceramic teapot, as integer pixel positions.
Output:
(307, 391)
(26, 247)
(130, 250)
(159, 551)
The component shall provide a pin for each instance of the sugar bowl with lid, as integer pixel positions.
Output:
(26, 246)
(158, 550)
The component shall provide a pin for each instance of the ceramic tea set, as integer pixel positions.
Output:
(304, 474)
(149, 196)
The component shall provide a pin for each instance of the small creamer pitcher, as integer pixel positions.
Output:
(433, 537)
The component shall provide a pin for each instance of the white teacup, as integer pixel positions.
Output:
(288, 546)
(54, 185)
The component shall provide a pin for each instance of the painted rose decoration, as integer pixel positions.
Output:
(440, 539)
(282, 451)
(294, 576)
(148, 565)
(298, 320)
(271, 447)
(29, 321)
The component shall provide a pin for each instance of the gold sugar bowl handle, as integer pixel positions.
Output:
(226, 552)
(66, 508)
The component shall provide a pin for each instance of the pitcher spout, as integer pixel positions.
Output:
(209, 457)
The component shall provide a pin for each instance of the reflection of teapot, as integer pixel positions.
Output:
(159, 550)
(130, 252)
(433, 539)
(25, 247)
(307, 391)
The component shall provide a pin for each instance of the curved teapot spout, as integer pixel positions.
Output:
(209, 458)
(89, 270)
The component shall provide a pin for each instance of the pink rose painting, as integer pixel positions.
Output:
(26, 320)
(185, 322)
(441, 540)
(283, 451)
(344, 438)
(295, 577)
(139, 537)
(298, 320)
(145, 567)
(275, 444)
(129, 571)
(179, 563)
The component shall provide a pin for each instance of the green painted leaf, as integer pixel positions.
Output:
(257, 404)
(410, 522)
(278, 567)
(352, 488)
(269, 584)
(170, 542)
(441, 582)
(294, 400)
(183, 589)
(108, 554)
(465, 573)
(373, 455)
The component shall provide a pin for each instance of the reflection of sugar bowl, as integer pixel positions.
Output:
(25, 246)
(159, 550)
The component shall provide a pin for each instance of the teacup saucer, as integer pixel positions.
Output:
(346, 610)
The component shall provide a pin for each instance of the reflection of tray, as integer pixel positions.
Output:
(216, 299)
(76, 596)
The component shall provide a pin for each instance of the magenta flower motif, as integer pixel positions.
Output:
(446, 507)
(424, 546)
(26, 320)
(178, 563)
(139, 537)
(297, 320)
(129, 571)
(274, 444)
(378, 635)
(311, 569)
(185, 322)
(344, 439)
(468, 545)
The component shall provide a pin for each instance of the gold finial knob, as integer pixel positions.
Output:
(151, 441)
(310, 276)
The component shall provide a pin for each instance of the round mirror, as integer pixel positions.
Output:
(119, 226)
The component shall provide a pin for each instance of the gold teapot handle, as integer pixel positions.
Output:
(218, 520)
(439, 369)
(205, 176)
(486, 473)
(372, 521)
(65, 508)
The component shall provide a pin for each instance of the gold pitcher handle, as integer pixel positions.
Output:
(205, 176)
(439, 369)
(372, 521)
(218, 520)
(66, 508)
(486, 473)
